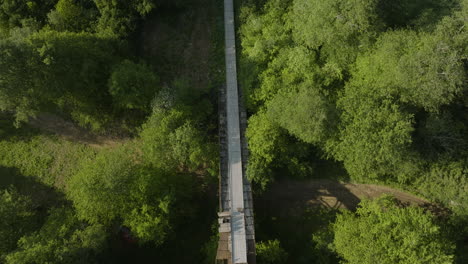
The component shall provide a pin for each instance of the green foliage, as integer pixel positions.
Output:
(79, 67)
(415, 13)
(384, 102)
(264, 141)
(49, 160)
(338, 29)
(305, 114)
(270, 252)
(383, 232)
(421, 69)
(211, 247)
(114, 188)
(119, 17)
(191, 100)
(447, 183)
(101, 187)
(441, 135)
(132, 85)
(294, 224)
(69, 15)
(63, 70)
(15, 13)
(375, 136)
(264, 34)
(272, 151)
(15, 88)
(170, 140)
(17, 219)
(62, 239)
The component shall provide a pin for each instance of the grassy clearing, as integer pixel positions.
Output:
(51, 160)
(45, 158)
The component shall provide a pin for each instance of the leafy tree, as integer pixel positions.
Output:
(16, 81)
(62, 239)
(316, 58)
(17, 219)
(170, 140)
(115, 189)
(69, 15)
(119, 17)
(446, 183)
(384, 96)
(101, 187)
(65, 71)
(270, 252)
(305, 114)
(421, 69)
(441, 134)
(264, 34)
(265, 144)
(383, 232)
(293, 69)
(132, 85)
(272, 150)
(337, 29)
(14, 13)
(375, 136)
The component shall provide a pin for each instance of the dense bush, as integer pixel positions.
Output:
(62, 239)
(113, 188)
(133, 86)
(170, 140)
(15, 13)
(49, 160)
(270, 252)
(382, 232)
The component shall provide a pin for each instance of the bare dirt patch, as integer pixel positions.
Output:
(70, 131)
(330, 194)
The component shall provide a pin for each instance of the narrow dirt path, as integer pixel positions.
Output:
(330, 194)
(70, 131)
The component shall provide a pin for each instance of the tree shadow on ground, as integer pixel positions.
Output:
(286, 195)
(186, 240)
(293, 211)
(42, 196)
(8, 131)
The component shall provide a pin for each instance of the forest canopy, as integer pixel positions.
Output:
(384, 97)
(109, 139)
(380, 87)
(105, 155)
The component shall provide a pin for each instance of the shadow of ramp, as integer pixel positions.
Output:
(336, 195)
(286, 195)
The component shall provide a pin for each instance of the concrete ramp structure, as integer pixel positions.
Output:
(236, 223)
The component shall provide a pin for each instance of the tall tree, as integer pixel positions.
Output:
(115, 188)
